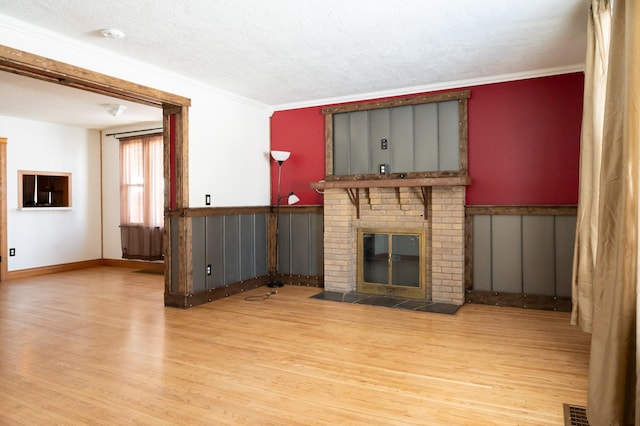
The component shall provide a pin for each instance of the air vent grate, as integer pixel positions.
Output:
(575, 416)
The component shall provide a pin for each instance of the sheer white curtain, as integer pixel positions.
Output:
(141, 197)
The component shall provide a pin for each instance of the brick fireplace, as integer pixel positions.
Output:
(437, 209)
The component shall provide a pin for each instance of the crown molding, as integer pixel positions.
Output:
(456, 84)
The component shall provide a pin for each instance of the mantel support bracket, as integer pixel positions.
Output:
(354, 196)
(426, 195)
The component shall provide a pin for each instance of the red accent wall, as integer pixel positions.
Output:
(300, 131)
(524, 142)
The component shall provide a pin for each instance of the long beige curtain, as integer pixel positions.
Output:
(605, 302)
(141, 197)
(595, 89)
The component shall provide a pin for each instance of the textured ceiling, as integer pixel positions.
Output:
(284, 53)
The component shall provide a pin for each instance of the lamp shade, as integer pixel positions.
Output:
(280, 155)
(293, 198)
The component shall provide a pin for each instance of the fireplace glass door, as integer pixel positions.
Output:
(391, 263)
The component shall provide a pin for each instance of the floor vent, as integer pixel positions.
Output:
(575, 416)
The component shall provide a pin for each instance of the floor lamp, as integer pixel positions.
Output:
(280, 157)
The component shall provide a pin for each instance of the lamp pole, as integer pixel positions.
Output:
(280, 157)
(277, 283)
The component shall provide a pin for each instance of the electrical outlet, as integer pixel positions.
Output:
(384, 169)
(208, 269)
(207, 200)
(12, 252)
(384, 144)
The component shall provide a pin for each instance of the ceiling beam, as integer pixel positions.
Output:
(30, 65)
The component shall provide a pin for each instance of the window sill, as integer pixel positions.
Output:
(37, 209)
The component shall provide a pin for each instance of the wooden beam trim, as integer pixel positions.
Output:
(518, 300)
(226, 211)
(391, 176)
(463, 137)
(413, 100)
(35, 66)
(4, 264)
(394, 183)
(541, 209)
(328, 145)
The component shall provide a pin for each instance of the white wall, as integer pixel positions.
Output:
(228, 154)
(228, 134)
(44, 237)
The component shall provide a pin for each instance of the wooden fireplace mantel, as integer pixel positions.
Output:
(353, 186)
(394, 183)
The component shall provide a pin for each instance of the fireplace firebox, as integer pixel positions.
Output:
(391, 262)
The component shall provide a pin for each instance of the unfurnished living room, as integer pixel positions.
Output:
(305, 212)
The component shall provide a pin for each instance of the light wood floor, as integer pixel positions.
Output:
(97, 347)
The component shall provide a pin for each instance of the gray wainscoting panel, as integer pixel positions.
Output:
(538, 255)
(236, 248)
(449, 135)
(260, 244)
(231, 249)
(426, 137)
(528, 254)
(565, 237)
(215, 251)
(299, 253)
(199, 254)
(482, 252)
(301, 244)
(506, 245)
(284, 243)
(247, 253)
(316, 244)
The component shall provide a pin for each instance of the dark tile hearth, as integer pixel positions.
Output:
(388, 302)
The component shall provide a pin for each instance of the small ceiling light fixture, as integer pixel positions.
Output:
(112, 33)
(114, 109)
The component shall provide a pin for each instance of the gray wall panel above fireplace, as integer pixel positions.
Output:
(420, 138)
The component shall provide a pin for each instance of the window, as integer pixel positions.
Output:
(141, 197)
(142, 184)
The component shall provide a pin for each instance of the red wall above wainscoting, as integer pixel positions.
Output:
(524, 142)
(300, 131)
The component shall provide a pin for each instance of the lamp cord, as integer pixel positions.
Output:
(261, 297)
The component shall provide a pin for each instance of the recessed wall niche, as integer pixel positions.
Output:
(44, 189)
